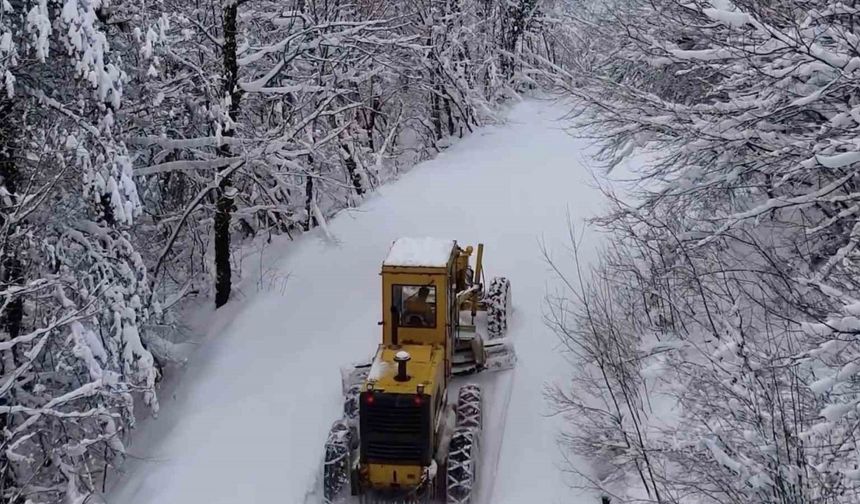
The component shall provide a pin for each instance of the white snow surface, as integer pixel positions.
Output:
(430, 252)
(247, 418)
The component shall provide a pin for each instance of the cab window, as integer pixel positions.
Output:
(416, 305)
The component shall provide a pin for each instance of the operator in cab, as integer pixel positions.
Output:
(419, 311)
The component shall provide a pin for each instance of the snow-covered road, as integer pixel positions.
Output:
(249, 417)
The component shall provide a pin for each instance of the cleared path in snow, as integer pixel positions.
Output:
(249, 417)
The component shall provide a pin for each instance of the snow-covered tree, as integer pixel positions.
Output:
(74, 289)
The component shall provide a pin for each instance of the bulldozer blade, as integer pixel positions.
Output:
(464, 369)
(354, 374)
(500, 355)
(464, 363)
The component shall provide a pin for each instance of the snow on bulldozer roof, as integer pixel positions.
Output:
(427, 252)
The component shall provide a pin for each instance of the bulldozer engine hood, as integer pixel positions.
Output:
(424, 369)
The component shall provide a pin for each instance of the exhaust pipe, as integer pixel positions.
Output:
(401, 358)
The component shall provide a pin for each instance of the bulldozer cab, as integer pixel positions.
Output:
(418, 294)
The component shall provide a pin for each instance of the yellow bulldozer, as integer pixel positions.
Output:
(400, 438)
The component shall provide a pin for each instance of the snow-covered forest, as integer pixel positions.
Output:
(142, 143)
(714, 344)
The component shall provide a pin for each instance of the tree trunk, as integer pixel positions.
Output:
(223, 273)
(309, 200)
(370, 120)
(12, 271)
(436, 114)
(14, 275)
(224, 203)
(352, 170)
(349, 160)
(450, 117)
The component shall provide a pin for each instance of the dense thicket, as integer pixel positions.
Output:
(718, 345)
(141, 141)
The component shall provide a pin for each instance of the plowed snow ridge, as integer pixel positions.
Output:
(248, 418)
